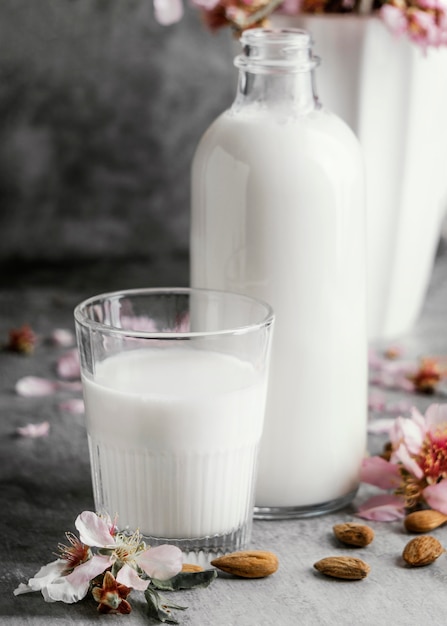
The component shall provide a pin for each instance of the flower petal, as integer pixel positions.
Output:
(436, 416)
(128, 576)
(43, 577)
(168, 12)
(34, 430)
(162, 562)
(436, 496)
(383, 508)
(74, 405)
(62, 590)
(69, 385)
(376, 401)
(408, 432)
(379, 426)
(401, 455)
(379, 472)
(68, 366)
(419, 420)
(90, 569)
(93, 530)
(33, 386)
(62, 337)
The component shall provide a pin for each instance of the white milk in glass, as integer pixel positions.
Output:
(173, 437)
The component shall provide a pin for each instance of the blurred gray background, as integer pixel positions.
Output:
(100, 112)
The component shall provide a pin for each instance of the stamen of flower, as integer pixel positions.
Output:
(129, 546)
(411, 489)
(433, 456)
(74, 554)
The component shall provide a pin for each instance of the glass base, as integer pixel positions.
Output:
(197, 550)
(297, 512)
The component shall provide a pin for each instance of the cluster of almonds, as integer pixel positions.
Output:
(418, 552)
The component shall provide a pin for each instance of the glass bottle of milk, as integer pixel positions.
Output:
(278, 213)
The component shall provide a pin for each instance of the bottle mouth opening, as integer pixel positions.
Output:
(281, 50)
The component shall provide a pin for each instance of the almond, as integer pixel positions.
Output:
(354, 534)
(422, 551)
(191, 567)
(424, 521)
(347, 567)
(248, 563)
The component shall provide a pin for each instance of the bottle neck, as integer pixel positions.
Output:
(276, 72)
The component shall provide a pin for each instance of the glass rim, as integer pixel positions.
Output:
(84, 320)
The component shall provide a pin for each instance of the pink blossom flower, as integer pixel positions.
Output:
(423, 21)
(161, 562)
(417, 467)
(68, 579)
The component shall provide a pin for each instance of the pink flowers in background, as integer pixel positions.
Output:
(413, 468)
(424, 22)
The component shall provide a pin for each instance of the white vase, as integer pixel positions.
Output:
(394, 97)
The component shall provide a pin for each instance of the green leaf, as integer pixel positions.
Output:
(160, 608)
(186, 580)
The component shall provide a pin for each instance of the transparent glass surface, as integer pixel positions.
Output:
(174, 384)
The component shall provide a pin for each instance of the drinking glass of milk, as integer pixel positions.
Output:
(174, 384)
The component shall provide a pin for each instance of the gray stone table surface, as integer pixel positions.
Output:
(45, 484)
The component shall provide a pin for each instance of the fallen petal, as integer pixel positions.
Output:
(168, 11)
(383, 508)
(398, 408)
(141, 323)
(34, 430)
(62, 338)
(381, 425)
(74, 405)
(72, 385)
(376, 401)
(33, 386)
(68, 366)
